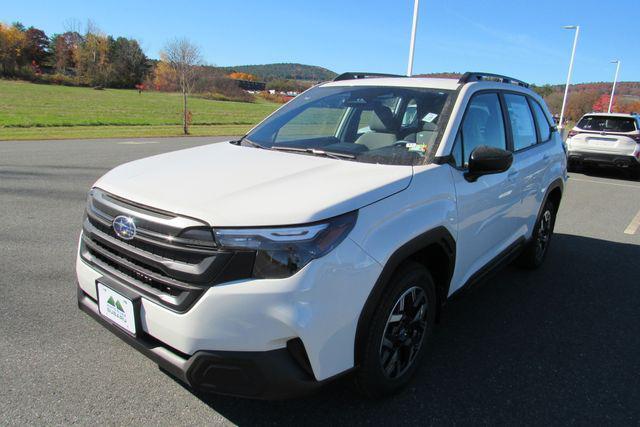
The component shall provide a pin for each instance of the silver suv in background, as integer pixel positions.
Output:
(606, 139)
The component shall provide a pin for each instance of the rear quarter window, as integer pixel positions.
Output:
(543, 124)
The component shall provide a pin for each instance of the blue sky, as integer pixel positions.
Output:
(521, 38)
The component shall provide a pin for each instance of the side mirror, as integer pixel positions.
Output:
(485, 160)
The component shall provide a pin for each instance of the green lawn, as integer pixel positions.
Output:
(35, 111)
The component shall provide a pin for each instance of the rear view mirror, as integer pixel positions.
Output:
(485, 160)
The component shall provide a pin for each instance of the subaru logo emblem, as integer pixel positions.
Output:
(124, 227)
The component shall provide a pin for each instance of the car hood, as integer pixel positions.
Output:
(229, 185)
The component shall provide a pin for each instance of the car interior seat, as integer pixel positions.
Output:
(384, 128)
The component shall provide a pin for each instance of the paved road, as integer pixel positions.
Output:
(559, 345)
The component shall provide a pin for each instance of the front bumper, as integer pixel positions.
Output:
(619, 160)
(286, 335)
(274, 374)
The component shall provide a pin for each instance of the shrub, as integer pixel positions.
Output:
(217, 96)
(273, 98)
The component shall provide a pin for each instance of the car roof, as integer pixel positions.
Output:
(419, 82)
(427, 83)
(470, 78)
(625, 115)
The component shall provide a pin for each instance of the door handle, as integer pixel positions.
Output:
(545, 157)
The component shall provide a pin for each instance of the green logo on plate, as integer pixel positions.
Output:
(115, 304)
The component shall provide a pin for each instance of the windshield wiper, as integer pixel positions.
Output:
(253, 144)
(314, 151)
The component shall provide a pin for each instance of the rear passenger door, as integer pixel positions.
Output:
(529, 130)
(487, 207)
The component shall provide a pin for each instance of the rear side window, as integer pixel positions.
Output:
(543, 124)
(410, 116)
(607, 124)
(522, 124)
(482, 125)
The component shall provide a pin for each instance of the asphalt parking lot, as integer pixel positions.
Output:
(560, 345)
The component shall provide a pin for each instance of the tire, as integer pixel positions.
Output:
(536, 249)
(573, 166)
(394, 345)
(633, 173)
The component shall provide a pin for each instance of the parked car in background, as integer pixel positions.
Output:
(328, 239)
(605, 139)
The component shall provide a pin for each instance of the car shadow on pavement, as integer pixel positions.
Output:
(609, 172)
(555, 345)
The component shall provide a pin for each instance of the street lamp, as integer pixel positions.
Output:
(413, 38)
(573, 53)
(615, 79)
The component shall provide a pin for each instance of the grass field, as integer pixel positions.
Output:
(35, 111)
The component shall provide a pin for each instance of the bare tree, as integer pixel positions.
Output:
(183, 57)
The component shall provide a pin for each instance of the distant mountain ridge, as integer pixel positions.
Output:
(288, 71)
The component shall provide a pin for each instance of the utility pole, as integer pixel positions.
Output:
(615, 80)
(413, 37)
(566, 88)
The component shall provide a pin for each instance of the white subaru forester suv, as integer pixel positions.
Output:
(328, 239)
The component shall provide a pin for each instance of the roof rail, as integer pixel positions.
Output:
(351, 75)
(475, 76)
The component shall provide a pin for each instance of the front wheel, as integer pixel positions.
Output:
(536, 250)
(399, 329)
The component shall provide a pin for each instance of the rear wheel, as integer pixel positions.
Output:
(536, 250)
(574, 166)
(399, 329)
(634, 173)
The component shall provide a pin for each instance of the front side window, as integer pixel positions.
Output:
(523, 128)
(607, 124)
(369, 124)
(482, 124)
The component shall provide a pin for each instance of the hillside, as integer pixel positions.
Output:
(34, 111)
(284, 71)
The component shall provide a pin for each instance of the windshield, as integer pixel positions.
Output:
(607, 124)
(387, 125)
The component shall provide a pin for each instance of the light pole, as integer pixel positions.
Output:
(615, 79)
(573, 54)
(413, 38)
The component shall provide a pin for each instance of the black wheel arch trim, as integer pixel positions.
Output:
(439, 236)
(558, 184)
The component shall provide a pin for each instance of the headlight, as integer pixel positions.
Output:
(282, 251)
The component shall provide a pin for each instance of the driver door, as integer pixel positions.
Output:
(486, 207)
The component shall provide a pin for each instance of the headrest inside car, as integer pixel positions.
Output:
(382, 120)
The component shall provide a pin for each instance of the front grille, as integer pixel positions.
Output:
(172, 259)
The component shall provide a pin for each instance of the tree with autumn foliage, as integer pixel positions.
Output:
(12, 45)
(243, 76)
(36, 46)
(602, 104)
(92, 57)
(165, 78)
(63, 50)
(619, 105)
